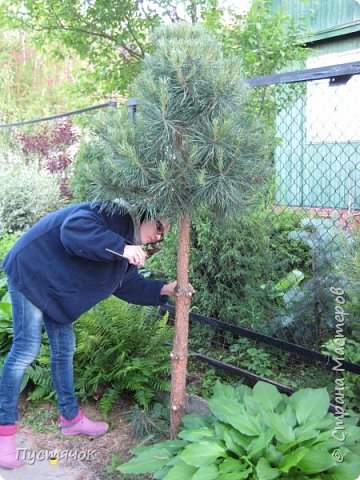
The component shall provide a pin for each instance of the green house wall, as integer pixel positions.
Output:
(324, 175)
(318, 174)
(324, 18)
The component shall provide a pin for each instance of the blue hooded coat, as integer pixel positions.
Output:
(62, 266)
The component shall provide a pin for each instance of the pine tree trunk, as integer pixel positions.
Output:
(180, 346)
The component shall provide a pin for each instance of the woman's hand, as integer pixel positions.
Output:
(171, 289)
(135, 255)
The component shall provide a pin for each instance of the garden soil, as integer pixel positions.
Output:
(79, 458)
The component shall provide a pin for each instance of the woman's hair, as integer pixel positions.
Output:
(146, 215)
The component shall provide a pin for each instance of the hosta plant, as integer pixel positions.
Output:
(257, 434)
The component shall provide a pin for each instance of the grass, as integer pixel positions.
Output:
(42, 420)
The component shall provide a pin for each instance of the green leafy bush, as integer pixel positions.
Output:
(244, 354)
(6, 242)
(121, 347)
(266, 40)
(26, 195)
(256, 434)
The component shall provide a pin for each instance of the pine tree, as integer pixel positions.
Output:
(193, 143)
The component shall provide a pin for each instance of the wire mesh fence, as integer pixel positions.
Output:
(316, 183)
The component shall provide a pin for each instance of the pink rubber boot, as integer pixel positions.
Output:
(82, 425)
(8, 453)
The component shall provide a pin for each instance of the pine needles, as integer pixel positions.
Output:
(194, 141)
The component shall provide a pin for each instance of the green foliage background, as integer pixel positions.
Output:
(112, 39)
(230, 262)
(32, 82)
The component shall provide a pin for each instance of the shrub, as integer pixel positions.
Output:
(26, 195)
(309, 307)
(256, 434)
(6, 242)
(48, 141)
(349, 266)
(230, 263)
(51, 147)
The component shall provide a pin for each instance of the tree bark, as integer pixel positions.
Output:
(180, 344)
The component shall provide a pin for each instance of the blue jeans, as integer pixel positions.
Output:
(27, 324)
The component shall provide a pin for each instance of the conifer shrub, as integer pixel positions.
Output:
(81, 183)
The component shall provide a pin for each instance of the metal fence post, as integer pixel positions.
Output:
(132, 102)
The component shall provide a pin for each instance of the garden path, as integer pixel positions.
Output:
(79, 458)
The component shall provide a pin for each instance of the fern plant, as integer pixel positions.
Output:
(121, 347)
(39, 375)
